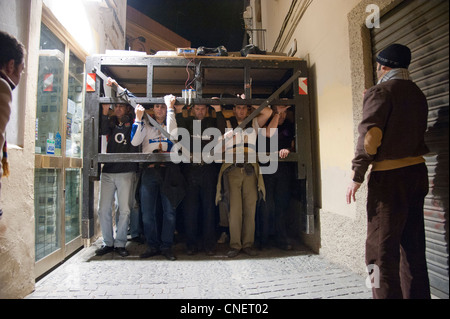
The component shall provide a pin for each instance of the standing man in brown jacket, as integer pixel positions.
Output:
(391, 139)
(12, 64)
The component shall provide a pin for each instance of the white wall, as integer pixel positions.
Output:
(93, 24)
(323, 40)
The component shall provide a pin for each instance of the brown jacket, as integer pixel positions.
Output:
(391, 133)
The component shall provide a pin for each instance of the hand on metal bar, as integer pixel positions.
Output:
(110, 82)
(128, 97)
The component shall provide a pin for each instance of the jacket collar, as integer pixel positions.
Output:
(7, 79)
(395, 74)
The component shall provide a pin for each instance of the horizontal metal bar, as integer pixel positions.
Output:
(157, 157)
(133, 157)
(207, 62)
(181, 101)
(133, 103)
(266, 103)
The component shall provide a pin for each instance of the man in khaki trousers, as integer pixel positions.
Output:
(242, 181)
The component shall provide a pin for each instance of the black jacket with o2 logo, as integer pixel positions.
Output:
(119, 141)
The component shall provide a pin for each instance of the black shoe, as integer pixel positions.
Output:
(169, 254)
(137, 239)
(250, 251)
(122, 251)
(285, 247)
(150, 252)
(210, 252)
(233, 253)
(191, 251)
(104, 250)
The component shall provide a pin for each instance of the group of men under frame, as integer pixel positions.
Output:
(209, 202)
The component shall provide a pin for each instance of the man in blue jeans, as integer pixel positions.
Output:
(279, 184)
(156, 178)
(199, 203)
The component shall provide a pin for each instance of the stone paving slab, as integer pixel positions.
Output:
(273, 274)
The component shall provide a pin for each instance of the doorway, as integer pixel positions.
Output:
(58, 149)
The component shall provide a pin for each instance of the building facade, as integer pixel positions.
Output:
(41, 198)
(147, 35)
(41, 226)
(338, 38)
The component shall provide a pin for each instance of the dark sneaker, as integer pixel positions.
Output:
(210, 252)
(285, 247)
(104, 250)
(191, 251)
(150, 252)
(250, 251)
(122, 251)
(138, 240)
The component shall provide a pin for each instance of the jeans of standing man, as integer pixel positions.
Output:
(135, 214)
(151, 188)
(135, 221)
(274, 210)
(396, 233)
(109, 184)
(199, 204)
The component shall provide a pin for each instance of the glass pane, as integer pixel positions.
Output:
(74, 119)
(46, 203)
(73, 211)
(49, 97)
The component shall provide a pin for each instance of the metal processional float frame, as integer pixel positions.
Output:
(263, 79)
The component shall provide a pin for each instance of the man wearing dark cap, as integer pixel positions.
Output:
(391, 139)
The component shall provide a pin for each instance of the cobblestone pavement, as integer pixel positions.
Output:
(273, 274)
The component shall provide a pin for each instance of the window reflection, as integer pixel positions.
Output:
(72, 198)
(46, 203)
(74, 118)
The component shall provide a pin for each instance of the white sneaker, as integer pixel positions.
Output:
(223, 238)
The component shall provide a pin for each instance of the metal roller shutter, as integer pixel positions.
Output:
(423, 26)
